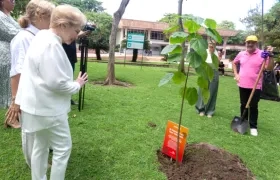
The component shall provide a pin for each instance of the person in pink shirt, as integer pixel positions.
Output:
(250, 62)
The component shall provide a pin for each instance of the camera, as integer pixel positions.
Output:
(89, 27)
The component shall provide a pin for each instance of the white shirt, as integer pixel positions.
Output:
(19, 46)
(46, 82)
(209, 58)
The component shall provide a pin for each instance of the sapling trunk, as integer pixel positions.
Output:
(181, 114)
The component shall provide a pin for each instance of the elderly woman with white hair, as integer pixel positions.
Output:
(45, 90)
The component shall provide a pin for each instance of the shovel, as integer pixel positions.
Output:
(241, 124)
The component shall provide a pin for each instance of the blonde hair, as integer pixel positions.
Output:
(66, 15)
(35, 10)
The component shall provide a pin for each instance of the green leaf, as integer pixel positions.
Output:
(193, 35)
(205, 70)
(198, 20)
(191, 95)
(172, 49)
(178, 77)
(202, 82)
(205, 94)
(213, 33)
(201, 72)
(174, 57)
(200, 46)
(215, 60)
(178, 37)
(191, 25)
(171, 29)
(165, 79)
(194, 59)
(210, 23)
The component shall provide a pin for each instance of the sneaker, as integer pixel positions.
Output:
(201, 114)
(209, 116)
(254, 132)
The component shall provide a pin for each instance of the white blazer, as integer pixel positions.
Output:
(46, 82)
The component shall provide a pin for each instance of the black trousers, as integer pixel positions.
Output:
(73, 65)
(277, 77)
(222, 70)
(253, 109)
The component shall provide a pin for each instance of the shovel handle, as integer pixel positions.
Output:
(255, 85)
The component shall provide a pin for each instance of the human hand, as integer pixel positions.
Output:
(265, 54)
(13, 113)
(82, 79)
(237, 78)
(270, 49)
(83, 34)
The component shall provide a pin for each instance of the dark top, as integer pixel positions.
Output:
(71, 51)
(221, 65)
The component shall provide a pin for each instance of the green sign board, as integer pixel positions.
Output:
(135, 41)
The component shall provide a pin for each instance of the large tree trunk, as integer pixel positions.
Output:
(97, 52)
(181, 28)
(135, 55)
(111, 79)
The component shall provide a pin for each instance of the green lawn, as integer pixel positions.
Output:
(112, 139)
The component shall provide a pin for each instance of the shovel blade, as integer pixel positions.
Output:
(239, 125)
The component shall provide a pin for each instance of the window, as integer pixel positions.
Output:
(157, 35)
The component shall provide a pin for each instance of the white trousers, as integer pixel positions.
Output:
(27, 146)
(48, 132)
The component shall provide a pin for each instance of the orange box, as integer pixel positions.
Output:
(170, 140)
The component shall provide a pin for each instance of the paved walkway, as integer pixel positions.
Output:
(146, 58)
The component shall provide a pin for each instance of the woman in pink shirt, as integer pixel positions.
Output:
(250, 64)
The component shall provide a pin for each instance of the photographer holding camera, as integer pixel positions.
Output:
(71, 50)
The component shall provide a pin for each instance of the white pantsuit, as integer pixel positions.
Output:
(45, 90)
(53, 132)
(27, 140)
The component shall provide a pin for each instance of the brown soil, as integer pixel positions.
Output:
(205, 162)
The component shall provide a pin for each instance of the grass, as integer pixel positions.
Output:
(111, 138)
(128, 60)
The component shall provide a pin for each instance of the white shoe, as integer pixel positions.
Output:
(254, 132)
(201, 114)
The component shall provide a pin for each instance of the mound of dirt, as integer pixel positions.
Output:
(203, 161)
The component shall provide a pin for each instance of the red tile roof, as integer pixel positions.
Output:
(160, 26)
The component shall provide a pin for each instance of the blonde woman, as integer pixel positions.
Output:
(36, 17)
(45, 89)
